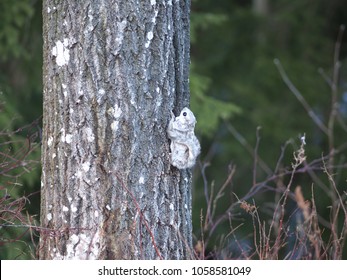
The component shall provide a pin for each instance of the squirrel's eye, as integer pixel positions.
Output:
(184, 113)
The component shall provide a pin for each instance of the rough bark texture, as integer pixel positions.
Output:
(113, 71)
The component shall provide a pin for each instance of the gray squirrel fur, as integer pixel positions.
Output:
(185, 147)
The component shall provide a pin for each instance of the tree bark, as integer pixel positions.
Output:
(113, 71)
(260, 7)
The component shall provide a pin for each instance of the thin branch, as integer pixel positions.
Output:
(256, 157)
(248, 148)
(300, 97)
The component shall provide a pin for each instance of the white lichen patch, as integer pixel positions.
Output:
(49, 216)
(74, 238)
(90, 26)
(120, 34)
(154, 19)
(114, 125)
(50, 141)
(78, 174)
(73, 209)
(110, 111)
(61, 52)
(132, 101)
(122, 24)
(153, 2)
(56, 255)
(68, 138)
(86, 166)
(172, 214)
(89, 134)
(141, 180)
(65, 209)
(115, 111)
(82, 246)
(63, 135)
(149, 39)
(96, 214)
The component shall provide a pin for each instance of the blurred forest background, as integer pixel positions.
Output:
(269, 90)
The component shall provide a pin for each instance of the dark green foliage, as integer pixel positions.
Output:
(14, 21)
(20, 111)
(233, 56)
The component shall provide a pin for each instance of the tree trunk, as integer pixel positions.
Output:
(113, 72)
(260, 7)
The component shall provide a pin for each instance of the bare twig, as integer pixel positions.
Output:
(300, 97)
